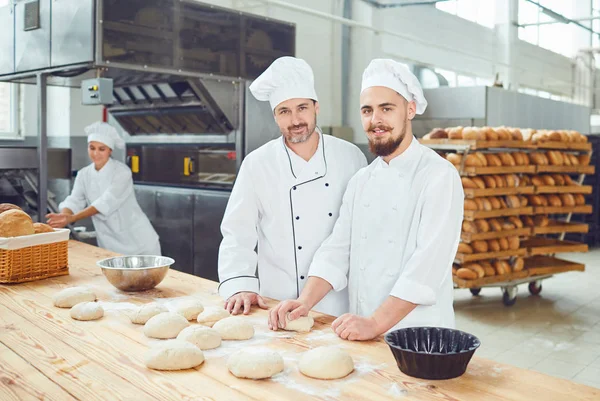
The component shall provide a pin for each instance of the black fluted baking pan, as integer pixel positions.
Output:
(433, 353)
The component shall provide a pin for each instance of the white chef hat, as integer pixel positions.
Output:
(391, 74)
(286, 78)
(104, 133)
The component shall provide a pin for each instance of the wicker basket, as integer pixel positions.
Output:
(34, 257)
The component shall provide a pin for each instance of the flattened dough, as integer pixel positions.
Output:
(326, 363)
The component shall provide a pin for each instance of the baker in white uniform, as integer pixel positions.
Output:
(286, 197)
(104, 191)
(399, 226)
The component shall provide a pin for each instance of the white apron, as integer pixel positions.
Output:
(121, 226)
(287, 206)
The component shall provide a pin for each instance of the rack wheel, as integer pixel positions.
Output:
(475, 291)
(535, 287)
(509, 296)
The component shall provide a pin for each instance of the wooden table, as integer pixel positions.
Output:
(44, 354)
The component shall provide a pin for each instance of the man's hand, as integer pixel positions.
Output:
(244, 300)
(277, 315)
(355, 328)
(58, 220)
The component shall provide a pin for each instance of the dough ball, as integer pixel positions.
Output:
(174, 355)
(255, 364)
(15, 223)
(70, 297)
(326, 363)
(87, 311)
(212, 315)
(165, 325)
(234, 328)
(201, 336)
(189, 309)
(142, 314)
(303, 324)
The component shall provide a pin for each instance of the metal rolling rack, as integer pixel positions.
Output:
(537, 267)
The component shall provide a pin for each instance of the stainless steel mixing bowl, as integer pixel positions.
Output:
(135, 273)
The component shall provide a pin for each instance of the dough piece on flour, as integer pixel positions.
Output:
(72, 296)
(326, 363)
(189, 309)
(87, 311)
(211, 315)
(165, 325)
(174, 355)
(303, 324)
(234, 328)
(255, 364)
(142, 314)
(201, 336)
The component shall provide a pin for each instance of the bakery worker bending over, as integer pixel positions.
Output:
(286, 197)
(399, 226)
(104, 191)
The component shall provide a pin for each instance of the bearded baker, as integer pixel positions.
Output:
(399, 226)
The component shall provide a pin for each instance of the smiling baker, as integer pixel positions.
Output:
(399, 225)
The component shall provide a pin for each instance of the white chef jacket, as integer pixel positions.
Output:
(397, 234)
(288, 206)
(121, 225)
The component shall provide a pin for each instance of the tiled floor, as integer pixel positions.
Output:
(557, 333)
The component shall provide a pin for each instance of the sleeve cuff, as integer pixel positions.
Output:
(68, 205)
(414, 292)
(101, 206)
(234, 285)
(330, 274)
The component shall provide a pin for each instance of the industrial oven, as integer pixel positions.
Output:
(176, 76)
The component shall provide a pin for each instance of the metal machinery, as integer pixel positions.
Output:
(177, 72)
(491, 106)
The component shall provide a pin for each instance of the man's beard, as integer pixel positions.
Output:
(385, 147)
(295, 138)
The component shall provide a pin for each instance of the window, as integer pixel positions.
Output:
(482, 12)
(9, 128)
(551, 34)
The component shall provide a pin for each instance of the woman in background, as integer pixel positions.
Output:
(104, 191)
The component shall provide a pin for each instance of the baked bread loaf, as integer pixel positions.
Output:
(466, 274)
(8, 206)
(465, 248)
(40, 228)
(15, 223)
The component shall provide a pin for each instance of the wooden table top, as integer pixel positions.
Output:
(44, 354)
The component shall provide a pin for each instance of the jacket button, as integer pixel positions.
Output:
(301, 277)
(300, 247)
(330, 214)
(294, 188)
(297, 217)
(326, 184)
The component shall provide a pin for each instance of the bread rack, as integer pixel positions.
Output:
(540, 262)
